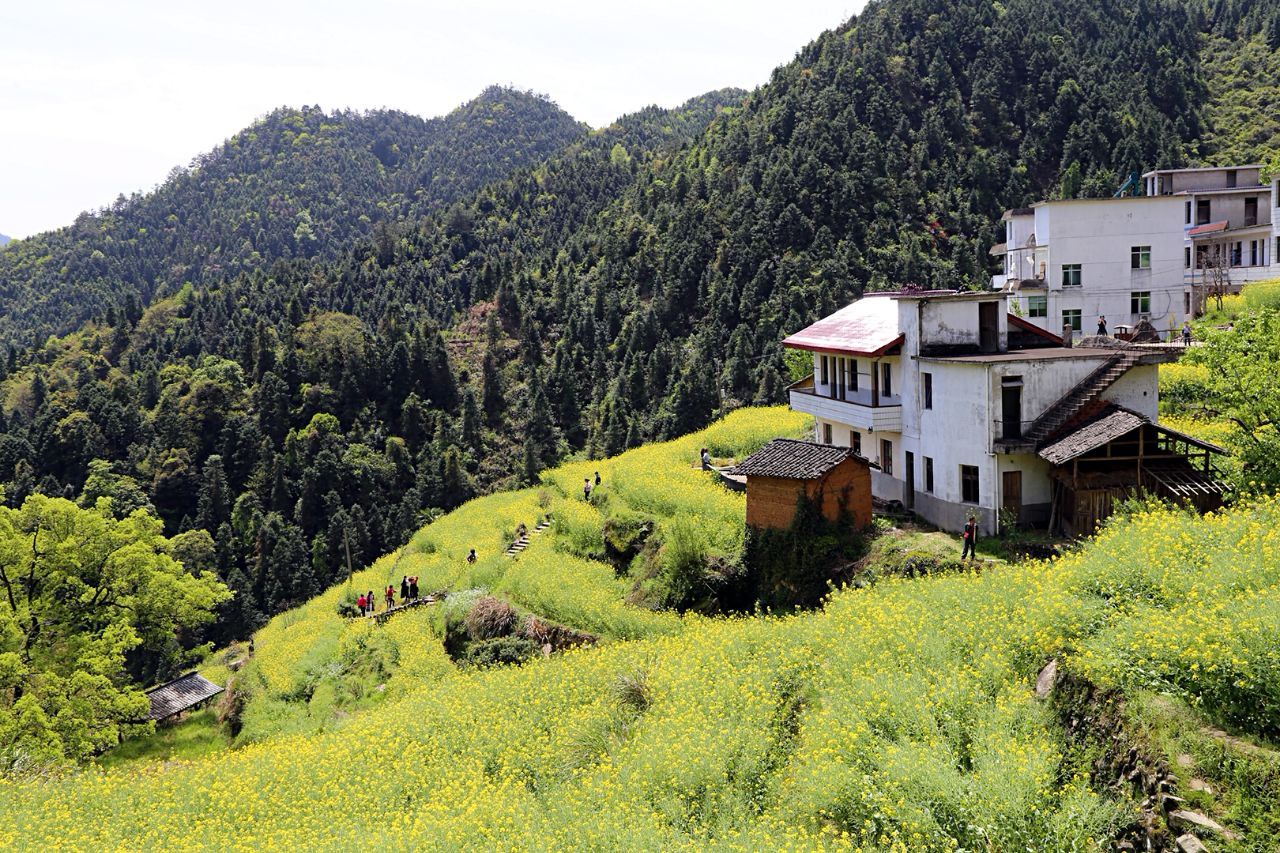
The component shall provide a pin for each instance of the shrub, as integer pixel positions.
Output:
(500, 650)
(490, 617)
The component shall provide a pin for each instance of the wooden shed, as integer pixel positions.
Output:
(835, 478)
(1119, 453)
(181, 694)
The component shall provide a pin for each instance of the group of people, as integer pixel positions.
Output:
(588, 486)
(408, 592)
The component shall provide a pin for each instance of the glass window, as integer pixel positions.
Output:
(1202, 211)
(1140, 302)
(853, 374)
(1186, 257)
(928, 474)
(1037, 306)
(969, 484)
(1188, 213)
(928, 389)
(886, 380)
(1070, 275)
(826, 370)
(886, 456)
(826, 433)
(1140, 258)
(1071, 317)
(855, 441)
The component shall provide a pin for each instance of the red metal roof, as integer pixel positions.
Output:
(1208, 228)
(866, 327)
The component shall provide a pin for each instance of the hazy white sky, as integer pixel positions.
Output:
(99, 98)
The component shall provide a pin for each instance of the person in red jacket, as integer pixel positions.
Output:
(390, 596)
(360, 603)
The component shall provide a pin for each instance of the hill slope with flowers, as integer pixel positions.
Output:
(902, 715)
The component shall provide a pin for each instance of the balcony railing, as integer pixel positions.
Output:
(855, 410)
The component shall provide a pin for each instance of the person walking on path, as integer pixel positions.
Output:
(391, 596)
(360, 603)
(1102, 326)
(597, 479)
(368, 601)
(404, 589)
(586, 489)
(970, 535)
(413, 587)
(1186, 333)
(705, 457)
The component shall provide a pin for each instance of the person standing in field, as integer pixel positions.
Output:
(360, 603)
(1186, 333)
(705, 458)
(391, 596)
(413, 587)
(586, 489)
(404, 589)
(368, 601)
(471, 555)
(970, 534)
(597, 479)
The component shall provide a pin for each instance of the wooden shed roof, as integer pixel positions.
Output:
(791, 459)
(180, 694)
(1114, 422)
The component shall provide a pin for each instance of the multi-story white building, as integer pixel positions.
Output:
(1151, 257)
(958, 402)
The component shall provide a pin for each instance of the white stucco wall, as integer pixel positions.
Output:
(1137, 390)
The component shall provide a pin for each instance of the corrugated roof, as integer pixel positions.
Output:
(793, 460)
(1208, 228)
(866, 327)
(180, 694)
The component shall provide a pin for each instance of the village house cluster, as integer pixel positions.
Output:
(1003, 404)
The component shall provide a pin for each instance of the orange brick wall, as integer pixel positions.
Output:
(771, 501)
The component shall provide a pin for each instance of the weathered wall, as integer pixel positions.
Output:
(771, 501)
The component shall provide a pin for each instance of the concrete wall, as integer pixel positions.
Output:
(1044, 382)
(1137, 390)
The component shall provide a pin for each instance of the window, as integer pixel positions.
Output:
(886, 456)
(1037, 306)
(928, 474)
(826, 433)
(1140, 258)
(1202, 211)
(1251, 211)
(1253, 253)
(969, 484)
(1231, 178)
(927, 379)
(1140, 302)
(855, 441)
(826, 370)
(1186, 257)
(1071, 317)
(1070, 275)
(853, 374)
(1188, 213)
(1237, 254)
(886, 380)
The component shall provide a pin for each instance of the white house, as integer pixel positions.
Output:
(1151, 257)
(955, 400)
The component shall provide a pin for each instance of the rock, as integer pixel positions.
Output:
(1171, 803)
(1185, 760)
(1190, 844)
(1184, 819)
(1046, 679)
(1200, 785)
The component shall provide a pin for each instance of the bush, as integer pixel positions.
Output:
(500, 650)
(347, 607)
(490, 617)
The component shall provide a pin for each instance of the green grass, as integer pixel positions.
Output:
(197, 735)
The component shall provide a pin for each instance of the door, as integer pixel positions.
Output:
(909, 477)
(1011, 405)
(988, 326)
(1011, 493)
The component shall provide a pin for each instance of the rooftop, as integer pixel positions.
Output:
(180, 694)
(1114, 422)
(868, 326)
(1039, 354)
(1201, 169)
(792, 459)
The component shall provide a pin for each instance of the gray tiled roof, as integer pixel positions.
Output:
(792, 459)
(1094, 434)
(180, 694)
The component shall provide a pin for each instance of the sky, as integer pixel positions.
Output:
(102, 98)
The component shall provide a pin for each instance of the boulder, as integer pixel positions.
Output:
(1184, 819)
(1190, 844)
(1046, 679)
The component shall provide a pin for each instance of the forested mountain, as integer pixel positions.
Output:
(295, 404)
(299, 183)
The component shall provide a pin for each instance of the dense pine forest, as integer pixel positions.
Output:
(334, 325)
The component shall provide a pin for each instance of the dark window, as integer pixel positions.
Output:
(853, 374)
(1237, 254)
(826, 370)
(1140, 258)
(886, 380)
(1071, 317)
(1188, 213)
(1186, 257)
(1231, 178)
(1140, 302)
(826, 433)
(1037, 306)
(855, 441)
(886, 456)
(928, 474)
(928, 389)
(1071, 275)
(1251, 211)
(1202, 211)
(1253, 253)
(969, 484)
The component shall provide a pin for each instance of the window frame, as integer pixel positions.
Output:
(969, 474)
(855, 441)
(928, 473)
(926, 384)
(1140, 257)
(1078, 270)
(886, 456)
(1140, 302)
(1077, 324)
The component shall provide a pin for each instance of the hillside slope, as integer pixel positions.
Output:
(902, 716)
(297, 183)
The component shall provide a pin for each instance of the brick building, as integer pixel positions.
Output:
(835, 478)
